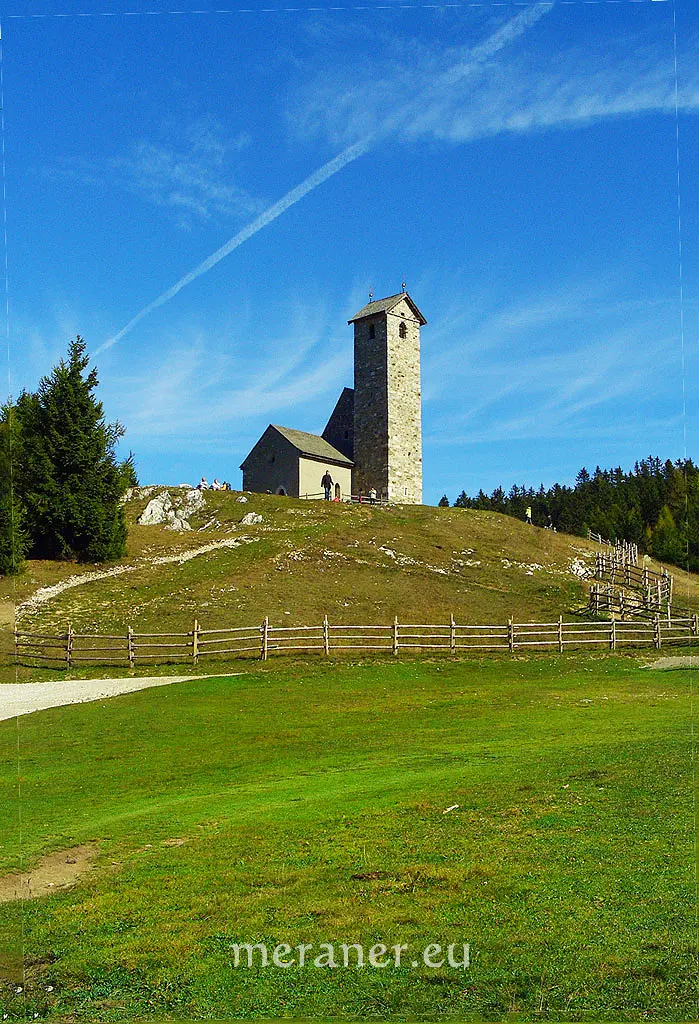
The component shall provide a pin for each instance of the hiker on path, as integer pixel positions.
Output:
(372, 496)
(528, 514)
(326, 483)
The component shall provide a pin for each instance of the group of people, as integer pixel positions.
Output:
(528, 519)
(327, 483)
(215, 485)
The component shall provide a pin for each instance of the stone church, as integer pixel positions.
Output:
(373, 438)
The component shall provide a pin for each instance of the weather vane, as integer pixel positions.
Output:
(402, 285)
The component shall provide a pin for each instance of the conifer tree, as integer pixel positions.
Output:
(13, 536)
(68, 475)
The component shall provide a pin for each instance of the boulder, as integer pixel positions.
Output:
(161, 510)
(156, 511)
(251, 519)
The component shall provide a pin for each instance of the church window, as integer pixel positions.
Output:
(403, 330)
(372, 330)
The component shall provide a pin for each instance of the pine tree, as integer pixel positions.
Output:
(13, 536)
(69, 478)
(443, 502)
(666, 540)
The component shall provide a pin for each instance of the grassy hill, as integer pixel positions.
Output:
(357, 564)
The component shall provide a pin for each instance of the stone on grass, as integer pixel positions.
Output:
(251, 519)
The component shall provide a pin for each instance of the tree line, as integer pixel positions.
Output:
(656, 506)
(61, 483)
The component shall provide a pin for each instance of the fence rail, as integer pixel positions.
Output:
(71, 649)
(621, 550)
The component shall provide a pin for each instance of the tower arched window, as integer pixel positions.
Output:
(403, 329)
(372, 330)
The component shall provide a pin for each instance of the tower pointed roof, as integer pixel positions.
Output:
(385, 306)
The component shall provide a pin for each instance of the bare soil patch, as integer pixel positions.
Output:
(681, 661)
(55, 871)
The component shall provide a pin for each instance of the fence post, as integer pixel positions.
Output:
(511, 634)
(656, 632)
(622, 605)
(195, 643)
(452, 634)
(129, 646)
(612, 634)
(395, 635)
(69, 647)
(695, 625)
(326, 636)
(560, 634)
(264, 648)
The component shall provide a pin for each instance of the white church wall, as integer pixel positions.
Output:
(311, 473)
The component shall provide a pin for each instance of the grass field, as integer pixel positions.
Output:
(310, 799)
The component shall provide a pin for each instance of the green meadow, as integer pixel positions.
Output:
(308, 803)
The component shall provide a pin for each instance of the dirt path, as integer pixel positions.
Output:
(25, 698)
(45, 594)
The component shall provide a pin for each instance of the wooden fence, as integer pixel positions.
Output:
(69, 649)
(605, 599)
(621, 550)
(656, 586)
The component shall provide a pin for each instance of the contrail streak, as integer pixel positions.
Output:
(509, 32)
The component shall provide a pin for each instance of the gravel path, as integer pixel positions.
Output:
(681, 661)
(45, 594)
(25, 698)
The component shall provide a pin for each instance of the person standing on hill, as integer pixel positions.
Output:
(326, 483)
(528, 514)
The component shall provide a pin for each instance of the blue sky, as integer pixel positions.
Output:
(515, 165)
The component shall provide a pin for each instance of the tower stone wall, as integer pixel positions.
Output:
(404, 407)
(387, 401)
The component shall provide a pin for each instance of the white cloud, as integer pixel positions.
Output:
(549, 365)
(522, 92)
(191, 173)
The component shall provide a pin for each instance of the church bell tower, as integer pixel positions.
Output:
(387, 400)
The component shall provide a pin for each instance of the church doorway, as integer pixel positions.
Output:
(338, 492)
(282, 491)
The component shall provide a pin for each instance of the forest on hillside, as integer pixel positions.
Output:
(656, 506)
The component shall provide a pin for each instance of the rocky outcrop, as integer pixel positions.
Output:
(162, 510)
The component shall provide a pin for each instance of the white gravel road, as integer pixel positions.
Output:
(25, 698)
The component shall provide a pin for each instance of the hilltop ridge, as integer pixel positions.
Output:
(277, 556)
